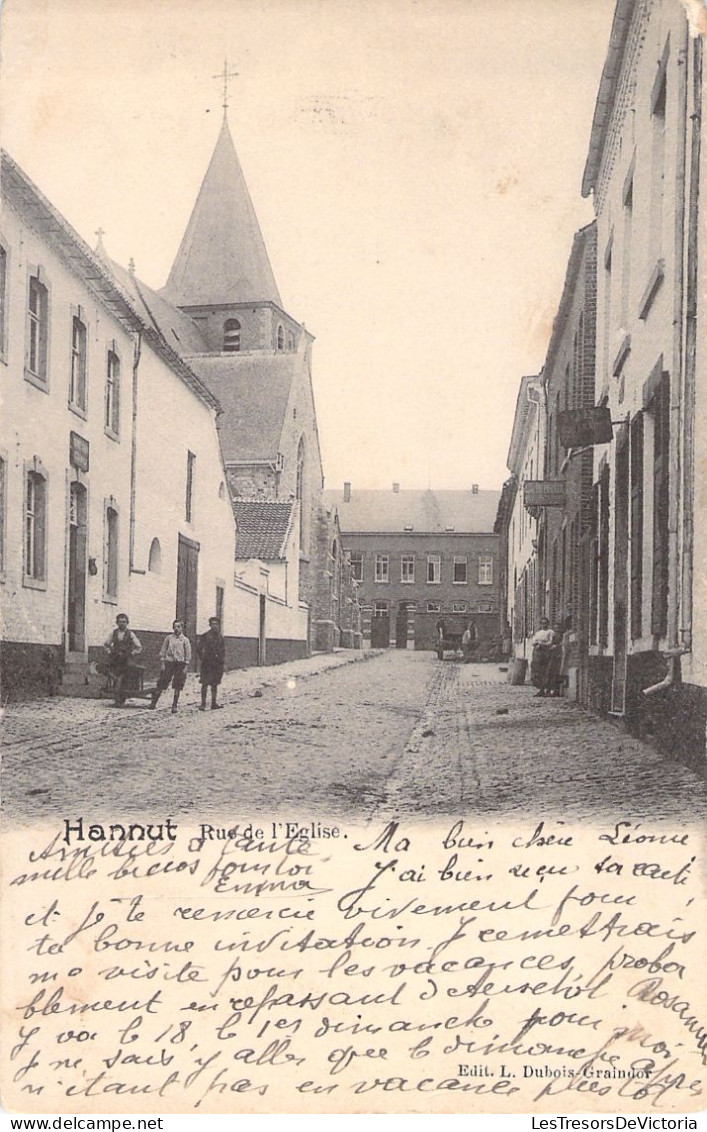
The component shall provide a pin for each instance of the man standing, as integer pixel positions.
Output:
(470, 639)
(175, 656)
(212, 652)
(121, 646)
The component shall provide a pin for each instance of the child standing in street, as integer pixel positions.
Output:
(121, 646)
(212, 652)
(175, 657)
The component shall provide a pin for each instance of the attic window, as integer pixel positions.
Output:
(174, 332)
(231, 336)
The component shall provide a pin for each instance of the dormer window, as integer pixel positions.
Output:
(280, 338)
(231, 336)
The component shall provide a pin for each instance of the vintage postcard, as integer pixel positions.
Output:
(353, 364)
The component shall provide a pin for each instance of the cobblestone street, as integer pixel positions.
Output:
(345, 737)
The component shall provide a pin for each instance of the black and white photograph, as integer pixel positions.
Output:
(353, 480)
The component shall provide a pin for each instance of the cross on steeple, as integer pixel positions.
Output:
(225, 76)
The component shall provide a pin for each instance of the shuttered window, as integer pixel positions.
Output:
(603, 626)
(637, 526)
(660, 408)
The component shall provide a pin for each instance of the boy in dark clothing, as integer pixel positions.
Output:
(121, 646)
(211, 650)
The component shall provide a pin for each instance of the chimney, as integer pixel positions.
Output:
(475, 489)
(347, 492)
(396, 488)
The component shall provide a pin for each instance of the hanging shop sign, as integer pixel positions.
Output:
(580, 428)
(544, 493)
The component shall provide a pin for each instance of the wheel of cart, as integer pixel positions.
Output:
(133, 685)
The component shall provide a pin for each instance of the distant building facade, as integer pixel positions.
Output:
(567, 555)
(516, 525)
(418, 557)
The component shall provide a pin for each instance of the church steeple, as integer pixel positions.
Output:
(222, 258)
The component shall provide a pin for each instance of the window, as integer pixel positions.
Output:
(357, 565)
(220, 592)
(637, 525)
(3, 299)
(608, 329)
(460, 568)
(459, 607)
(380, 609)
(112, 414)
(280, 338)
(487, 607)
(302, 494)
(407, 568)
(77, 380)
(381, 568)
(434, 607)
(154, 562)
(485, 571)
(189, 494)
(594, 569)
(110, 553)
(626, 251)
(434, 569)
(660, 409)
(3, 487)
(603, 566)
(35, 528)
(38, 312)
(231, 336)
(657, 188)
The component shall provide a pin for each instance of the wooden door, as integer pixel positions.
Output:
(187, 585)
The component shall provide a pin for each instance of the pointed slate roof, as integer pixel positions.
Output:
(222, 258)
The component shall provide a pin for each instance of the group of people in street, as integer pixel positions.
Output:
(550, 654)
(123, 647)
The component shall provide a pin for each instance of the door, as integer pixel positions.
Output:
(380, 631)
(618, 686)
(401, 626)
(187, 582)
(76, 612)
(262, 637)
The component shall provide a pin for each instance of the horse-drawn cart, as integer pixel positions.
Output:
(449, 637)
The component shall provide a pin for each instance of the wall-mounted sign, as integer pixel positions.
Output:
(544, 493)
(580, 428)
(78, 452)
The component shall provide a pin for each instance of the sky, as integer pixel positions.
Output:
(415, 166)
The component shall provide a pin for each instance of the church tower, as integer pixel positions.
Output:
(253, 357)
(221, 275)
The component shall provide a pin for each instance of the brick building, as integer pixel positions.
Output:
(419, 556)
(566, 552)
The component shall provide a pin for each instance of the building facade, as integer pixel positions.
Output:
(517, 526)
(421, 556)
(112, 483)
(565, 531)
(618, 549)
(643, 172)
